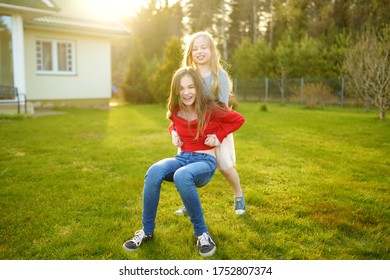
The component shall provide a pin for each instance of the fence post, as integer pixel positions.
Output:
(266, 90)
(283, 82)
(302, 86)
(342, 92)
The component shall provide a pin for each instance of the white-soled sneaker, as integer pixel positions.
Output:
(206, 245)
(182, 211)
(133, 244)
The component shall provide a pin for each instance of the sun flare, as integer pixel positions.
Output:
(114, 9)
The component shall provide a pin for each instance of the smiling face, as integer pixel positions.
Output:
(201, 51)
(187, 91)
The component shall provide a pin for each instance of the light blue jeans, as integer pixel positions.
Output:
(188, 171)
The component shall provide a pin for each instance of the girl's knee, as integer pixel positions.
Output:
(182, 178)
(226, 170)
(155, 173)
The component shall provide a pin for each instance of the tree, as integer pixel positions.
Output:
(244, 60)
(203, 15)
(136, 87)
(155, 24)
(252, 60)
(367, 14)
(368, 66)
(244, 20)
(335, 45)
(161, 80)
(299, 58)
(120, 56)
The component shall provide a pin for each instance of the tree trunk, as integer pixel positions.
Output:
(382, 114)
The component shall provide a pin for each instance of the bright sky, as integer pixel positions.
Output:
(118, 8)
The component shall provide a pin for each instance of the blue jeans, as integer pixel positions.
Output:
(188, 171)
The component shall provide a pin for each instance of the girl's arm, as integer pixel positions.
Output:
(230, 121)
(176, 141)
(224, 87)
(171, 127)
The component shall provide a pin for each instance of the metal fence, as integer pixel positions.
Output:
(331, 91)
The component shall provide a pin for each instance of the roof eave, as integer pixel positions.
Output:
(28, 12)
(79, 30)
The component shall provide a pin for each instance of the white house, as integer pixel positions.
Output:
(55, 53)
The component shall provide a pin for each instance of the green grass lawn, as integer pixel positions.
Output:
(316, 182)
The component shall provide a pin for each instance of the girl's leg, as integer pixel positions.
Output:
(226, 158)
(233, 179)
(162, 170)
(198, 172)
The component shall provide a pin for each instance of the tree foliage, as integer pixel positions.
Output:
(155, 24)
(162, 77)
(203, 14)
(252, 60)
(136, 87)
(258, 38)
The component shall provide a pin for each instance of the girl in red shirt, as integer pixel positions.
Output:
(201, 124)
(202, 54)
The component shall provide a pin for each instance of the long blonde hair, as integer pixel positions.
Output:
(214, 63)
(203, 102)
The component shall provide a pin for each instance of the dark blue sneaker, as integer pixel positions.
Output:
(239, 205)
(133, 244)
(206, 245)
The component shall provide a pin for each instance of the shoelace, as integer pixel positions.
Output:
(139, 236)
(204, 240)
(238, 203)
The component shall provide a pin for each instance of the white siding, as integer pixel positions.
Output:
(93, 69)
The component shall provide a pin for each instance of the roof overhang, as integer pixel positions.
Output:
(27, 12)
(85, 27)
(46, 15)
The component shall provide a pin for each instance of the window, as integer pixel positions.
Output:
(55, 57)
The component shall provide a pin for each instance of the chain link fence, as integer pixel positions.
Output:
(309, 92)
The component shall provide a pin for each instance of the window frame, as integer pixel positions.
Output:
(70, 50)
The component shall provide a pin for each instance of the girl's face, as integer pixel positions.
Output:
(187, 91)
(201, 51)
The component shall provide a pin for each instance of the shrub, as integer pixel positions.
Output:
(264, 108)
(315, 95)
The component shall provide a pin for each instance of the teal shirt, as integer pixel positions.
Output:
(223, 86)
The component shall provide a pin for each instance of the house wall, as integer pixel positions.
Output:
(92, 80)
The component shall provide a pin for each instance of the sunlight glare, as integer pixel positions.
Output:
(115, 9)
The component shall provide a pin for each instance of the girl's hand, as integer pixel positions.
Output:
(176, 141)
(212, 140)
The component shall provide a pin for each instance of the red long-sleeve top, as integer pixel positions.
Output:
(221, 123)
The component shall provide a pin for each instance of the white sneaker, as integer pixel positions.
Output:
(182, 211)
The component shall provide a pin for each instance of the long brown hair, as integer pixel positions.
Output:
(203, 102)
(214, 63)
